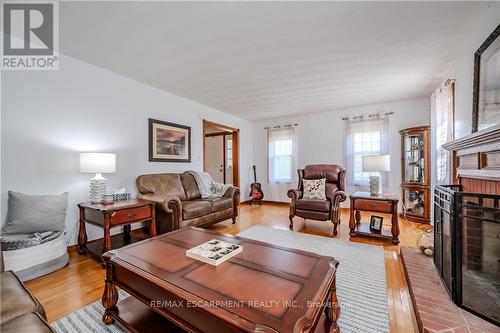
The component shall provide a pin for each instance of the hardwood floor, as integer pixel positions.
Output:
(82, 281)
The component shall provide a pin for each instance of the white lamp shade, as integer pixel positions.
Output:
(97, 163)
(376, 163)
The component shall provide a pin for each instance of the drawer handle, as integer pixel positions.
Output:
(132, 215)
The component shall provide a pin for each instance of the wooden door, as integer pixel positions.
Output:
(214, 157)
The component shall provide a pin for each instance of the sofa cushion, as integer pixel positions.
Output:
(167, 184)
(315, 205)
(27, 214)
(219, 204)
(195, 208)
(16, 300)
(190, 186)
(31, 322)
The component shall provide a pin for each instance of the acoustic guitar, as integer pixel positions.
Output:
(256, 193)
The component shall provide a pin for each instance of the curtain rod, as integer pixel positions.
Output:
(280, 126)
(368, 116)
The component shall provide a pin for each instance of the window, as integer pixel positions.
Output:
(281, 155)
(442, 132)
(364, 137)
(229, 152)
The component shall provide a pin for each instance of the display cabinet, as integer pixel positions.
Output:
(415, 172)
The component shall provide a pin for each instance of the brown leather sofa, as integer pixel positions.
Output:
(322, 210)
(19, 310)
(179, 202)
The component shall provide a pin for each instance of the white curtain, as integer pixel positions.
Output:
(442, 132)
(282, 155)
(364, 136)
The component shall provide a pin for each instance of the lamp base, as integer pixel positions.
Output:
(375, 185)
(98, 186)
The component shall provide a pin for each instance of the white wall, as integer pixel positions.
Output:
(320, 140)
(48, 117)
(462, 65)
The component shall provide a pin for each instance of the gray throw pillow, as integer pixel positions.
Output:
(28, 214)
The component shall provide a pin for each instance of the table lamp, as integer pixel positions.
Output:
(97, 163)
(376, 163)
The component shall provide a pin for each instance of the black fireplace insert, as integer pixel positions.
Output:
(467, 248)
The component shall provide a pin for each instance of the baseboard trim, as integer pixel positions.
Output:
(73, 248)
(267, 202)
(345, 210)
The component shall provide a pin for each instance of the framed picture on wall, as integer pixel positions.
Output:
(486, 84)
(169, 142)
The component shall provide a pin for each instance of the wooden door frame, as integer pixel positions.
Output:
(235, 132)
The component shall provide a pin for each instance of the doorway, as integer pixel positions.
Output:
(221, 152)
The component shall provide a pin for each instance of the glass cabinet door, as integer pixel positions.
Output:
(414, 202)
(413, 154)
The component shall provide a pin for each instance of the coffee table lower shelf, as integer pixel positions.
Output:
(137, 317)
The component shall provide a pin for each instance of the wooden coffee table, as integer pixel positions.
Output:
(265, 288)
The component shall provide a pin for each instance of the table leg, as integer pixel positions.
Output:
(126, 232)
(395, 228)
(110, 295)
(152, 226)
(358, 217)
(82, 234)
(352, 222)
(332, 311)
(106, 244)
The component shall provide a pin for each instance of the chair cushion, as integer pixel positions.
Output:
(31, 322)
(330, 189)
(315, 205)
(16, 300)
(190, 186)
(195, 208)
(219, 204)
(328, 171)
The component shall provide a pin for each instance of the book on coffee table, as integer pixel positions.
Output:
(214, 252)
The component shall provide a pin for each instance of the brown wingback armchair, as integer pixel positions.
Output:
(322, 210)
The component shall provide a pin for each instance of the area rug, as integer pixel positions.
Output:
(361, 284)
(361, 279)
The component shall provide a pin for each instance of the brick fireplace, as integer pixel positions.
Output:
(467, 225)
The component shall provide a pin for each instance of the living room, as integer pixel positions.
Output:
(324, 146)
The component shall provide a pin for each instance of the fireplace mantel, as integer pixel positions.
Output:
(477, 155)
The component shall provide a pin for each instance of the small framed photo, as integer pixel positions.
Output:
(376, 223)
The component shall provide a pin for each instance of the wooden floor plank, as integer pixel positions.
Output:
(82, 281)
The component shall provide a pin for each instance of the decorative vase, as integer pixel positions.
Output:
(425, 243)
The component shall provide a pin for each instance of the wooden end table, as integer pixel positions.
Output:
(108, 216)
(384, 203)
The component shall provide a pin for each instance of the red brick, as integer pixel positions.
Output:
(433, 305)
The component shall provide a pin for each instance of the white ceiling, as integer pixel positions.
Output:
(261, 60)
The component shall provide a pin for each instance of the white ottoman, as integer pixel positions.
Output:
(35, 261)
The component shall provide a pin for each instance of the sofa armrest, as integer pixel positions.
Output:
(166, 203)
(294, 194)
(234, 193)
(231, 192)
(338, 197)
